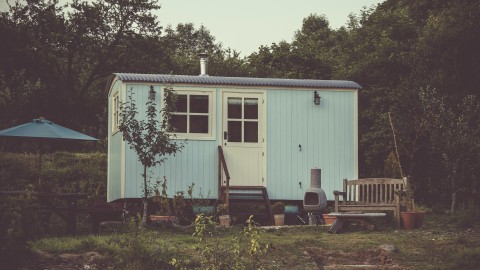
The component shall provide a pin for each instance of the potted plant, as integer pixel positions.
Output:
(164, 211)
(200, 204)
(278, 210)
(420, 216)
(223, 215)
(413, 217)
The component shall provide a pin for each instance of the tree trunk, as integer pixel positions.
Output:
(145, 195)
(454, 202)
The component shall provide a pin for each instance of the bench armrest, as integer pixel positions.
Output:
(400, 193)
(337, 198)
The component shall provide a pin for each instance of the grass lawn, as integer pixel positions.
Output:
(445, 242)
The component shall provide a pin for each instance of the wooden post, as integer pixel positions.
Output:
(220, 194)
(72, 216)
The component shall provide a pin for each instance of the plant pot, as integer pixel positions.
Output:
(279, 219)
(328, 219)
(224, 220)
(207, 210)
(157, 218)
(419, 218)
(408, 219)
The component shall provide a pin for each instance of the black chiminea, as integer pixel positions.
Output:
(315, 200)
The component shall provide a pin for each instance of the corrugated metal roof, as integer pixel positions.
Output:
(240, 81)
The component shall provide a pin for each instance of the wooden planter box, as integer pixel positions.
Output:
(156, 218)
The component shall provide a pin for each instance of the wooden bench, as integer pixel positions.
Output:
(363, 219)
(372, 194)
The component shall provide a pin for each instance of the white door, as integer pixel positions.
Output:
(243, 138)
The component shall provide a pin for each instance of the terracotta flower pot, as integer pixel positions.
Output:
(279, 219)
(328, 219)
(408, 219)
(224, 220)
(419, 218)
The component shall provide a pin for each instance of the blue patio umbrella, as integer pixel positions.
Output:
(42, 128)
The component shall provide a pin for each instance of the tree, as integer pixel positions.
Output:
(454, 131)
(73, 51)
(149, 138)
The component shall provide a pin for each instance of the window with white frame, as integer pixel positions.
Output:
(115, 112)
(193, 118)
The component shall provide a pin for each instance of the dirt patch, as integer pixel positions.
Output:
(87, 261)
(366, 259)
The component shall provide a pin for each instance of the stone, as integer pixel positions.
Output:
(388, 248)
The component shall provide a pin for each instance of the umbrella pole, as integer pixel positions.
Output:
(39, 168)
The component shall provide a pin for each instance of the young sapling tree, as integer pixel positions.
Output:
(149, 138)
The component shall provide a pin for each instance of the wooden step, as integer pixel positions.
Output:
(256, 194)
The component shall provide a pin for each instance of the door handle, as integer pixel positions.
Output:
(225, 135)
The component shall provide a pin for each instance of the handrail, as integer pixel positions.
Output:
(223, 164)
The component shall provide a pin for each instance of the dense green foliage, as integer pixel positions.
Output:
(55, 62)
(23, 217)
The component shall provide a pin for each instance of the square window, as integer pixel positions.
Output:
(181, 105)
(178, 123)
(193, 117)
(235, 108)
(199, 124)
(251, 108)
(251, 132)
(198, 104)
(234, 131)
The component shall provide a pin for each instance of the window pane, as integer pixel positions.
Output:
(251, 132)
(235, 108)
(251, 108)
(199, 124)
(181, 103)
(234, 131)
(198, 104)
(179, 123)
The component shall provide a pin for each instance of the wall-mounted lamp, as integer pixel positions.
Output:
(151, 94)
(316, 98)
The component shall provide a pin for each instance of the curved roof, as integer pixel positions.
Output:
(240, 81)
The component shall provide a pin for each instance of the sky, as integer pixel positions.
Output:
(245, 25)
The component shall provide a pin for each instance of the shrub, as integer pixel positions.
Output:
(278, 208)
(138, 249)
(222, 209)
(245, 252)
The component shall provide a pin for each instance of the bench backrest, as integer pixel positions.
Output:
(373, 190)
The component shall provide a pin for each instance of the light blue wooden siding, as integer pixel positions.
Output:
(326, 133)
(114, 152)
(195, 163)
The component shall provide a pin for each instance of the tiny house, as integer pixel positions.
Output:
(269, 132)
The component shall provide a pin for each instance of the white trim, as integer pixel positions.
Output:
(123, 92)
(355, 134)
(262, 117)
(265, 130)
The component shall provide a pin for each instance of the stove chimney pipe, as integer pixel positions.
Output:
(316, 178)
(203, 63)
